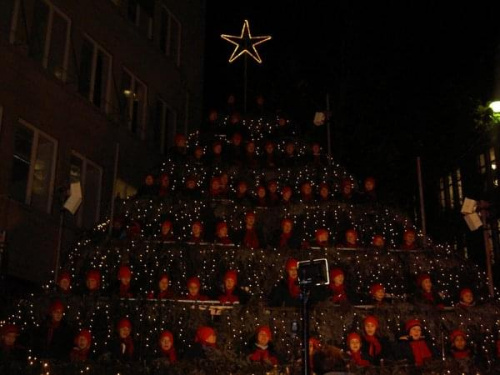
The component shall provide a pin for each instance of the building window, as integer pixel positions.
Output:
(33, 167)
(95, 74)
(6, 11)
(124, 190)
(47, 36)
(493, 166)
(135, 99)
(451, 193)
(442, 194)
(170, 35)
(458, 180)
(165, 126)
(89, 175)
(141, 13)
(482, 164)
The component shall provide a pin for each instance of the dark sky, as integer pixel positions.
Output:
(402, 77)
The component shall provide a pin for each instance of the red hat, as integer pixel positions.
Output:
(284, 221)
(266, 330)
(179, 137)
(56, 305)
(370, 179)
(464, 291)
(286, 188)
(291, 263)
(375, 288)
(351, 231)
(336, 272)
(85, 333)
(64, 275)
(269, 143)
(198, 223)
(314, 342)
(203, 333)
(320, 232)
(9, 328)
(412, 323)
(124, 323)
(163, 276)
(242, 183)
(194, 280)
(455, 333)
(168, 334)
(231, 274)
(166, 223)
(250, 214)
(94, 275)
(378, 236)
(221, 225)
(124, 271)
(272, 182)
(353, 336)
(324, 185)
(346, 182)
(371, 319)
(260, 187)
(422, 277)
(409, 231)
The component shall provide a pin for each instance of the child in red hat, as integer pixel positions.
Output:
(64, 283)
(149, 189)
(178, 151)
(351, 239)
(242, 195)
(164, 185)
(205, 342)
(354, 345)
(263, 351)
(10, 350)
(466, 299)
(261, 196)
(251, 160)
(193, 290)
(322, 237)
(324, 192)
(346, 193)
(286, 195)
(163, 290)
(409, 240)
(378, 242)
(273, 195)
(167, 349)
(414, 347)
(166, 233)
(337, 288)
(286, 238)
(250, 235)
(122, 347)
(222, 234)
(124, 289)
(287, 291)
(459, 348)
(196, 233)
(231, 293)
(375, 347)
(425, 294)
(269, 158)
(93, 281)
(306, 192)
(369, 192)
(215, 187)
(377, 292)
(81, 350)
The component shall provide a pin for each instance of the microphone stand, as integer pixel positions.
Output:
(305, 291)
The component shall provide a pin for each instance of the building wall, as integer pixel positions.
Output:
(55, 107)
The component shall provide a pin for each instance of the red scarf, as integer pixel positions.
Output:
(251, 239)
(461, 354)
(163, 191)
(50, 334)
(224, 240)
(421, 352)
(284, 238)
(228, 297)
(428, 296)
(293, 287)
(124, 291)
(171, 354)
(260, 355)
(198, 297)
(339, 294)
(79, 355)
(167, 294)
(195, 239)
(358, 360)
(375, 347)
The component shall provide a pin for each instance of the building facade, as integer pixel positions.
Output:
(91, 92)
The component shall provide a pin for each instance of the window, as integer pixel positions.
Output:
(141, 13)
(95, 74)
(6, 11)
(124, 190)
(165, 126)
(458, 180)
(170, 35)
(482, 164)
(450, 191)
(33, 167)
(135, 99)
(442, 194)
(89, 175)
(47, 36)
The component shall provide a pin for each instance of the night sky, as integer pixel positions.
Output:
(404, 79)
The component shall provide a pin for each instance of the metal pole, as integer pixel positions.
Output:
(59, 245)
(488, 249)
(421, 193)
(245, 79)
(113, 189)
(328, 136)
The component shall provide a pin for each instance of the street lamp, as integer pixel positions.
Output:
(495, 107)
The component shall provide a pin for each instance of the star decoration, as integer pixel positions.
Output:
(245, 43)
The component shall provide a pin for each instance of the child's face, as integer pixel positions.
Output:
(149, 180)
(124, 332)
(338, 280)
(9, 339)
(217, 149)
(262, 338)
(409, 238)
(347, 189)
(251, 148)
(125, 280)
(163, 284)
(379, 295)
(242, 188)
(198, 153)
(323, 237)
(229, 284)
(351, 238)
(83, 343)
(212, 116)
(165, 229)
(292, 272)
(427, 285)
(287, 227)
(281, 121)
(166, 343)
(236, 140)
(354, 345)
(369, 185)
(250, 220)
(261, 193)
(269, 148)
(315, 148)
(378, 241)
(64, 284)
(370, 328)
(196, 230)
(193, 289)
(415, 332)
(459, 343)
(190, 184)
(324, 192)
(212, 339)
(468, 298)
(164, 181)
(290, 148)
(222, 232)
(272, 188)
(92, 284)
(287, 194)
(215, 185)
(306, 189)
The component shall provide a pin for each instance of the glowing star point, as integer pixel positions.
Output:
(245, 43)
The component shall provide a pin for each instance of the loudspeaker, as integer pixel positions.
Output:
(75, 198)
(469, 206)
(473, 221)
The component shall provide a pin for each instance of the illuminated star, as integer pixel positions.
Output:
(245, 43)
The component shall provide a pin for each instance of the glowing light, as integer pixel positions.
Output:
(245, 43)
